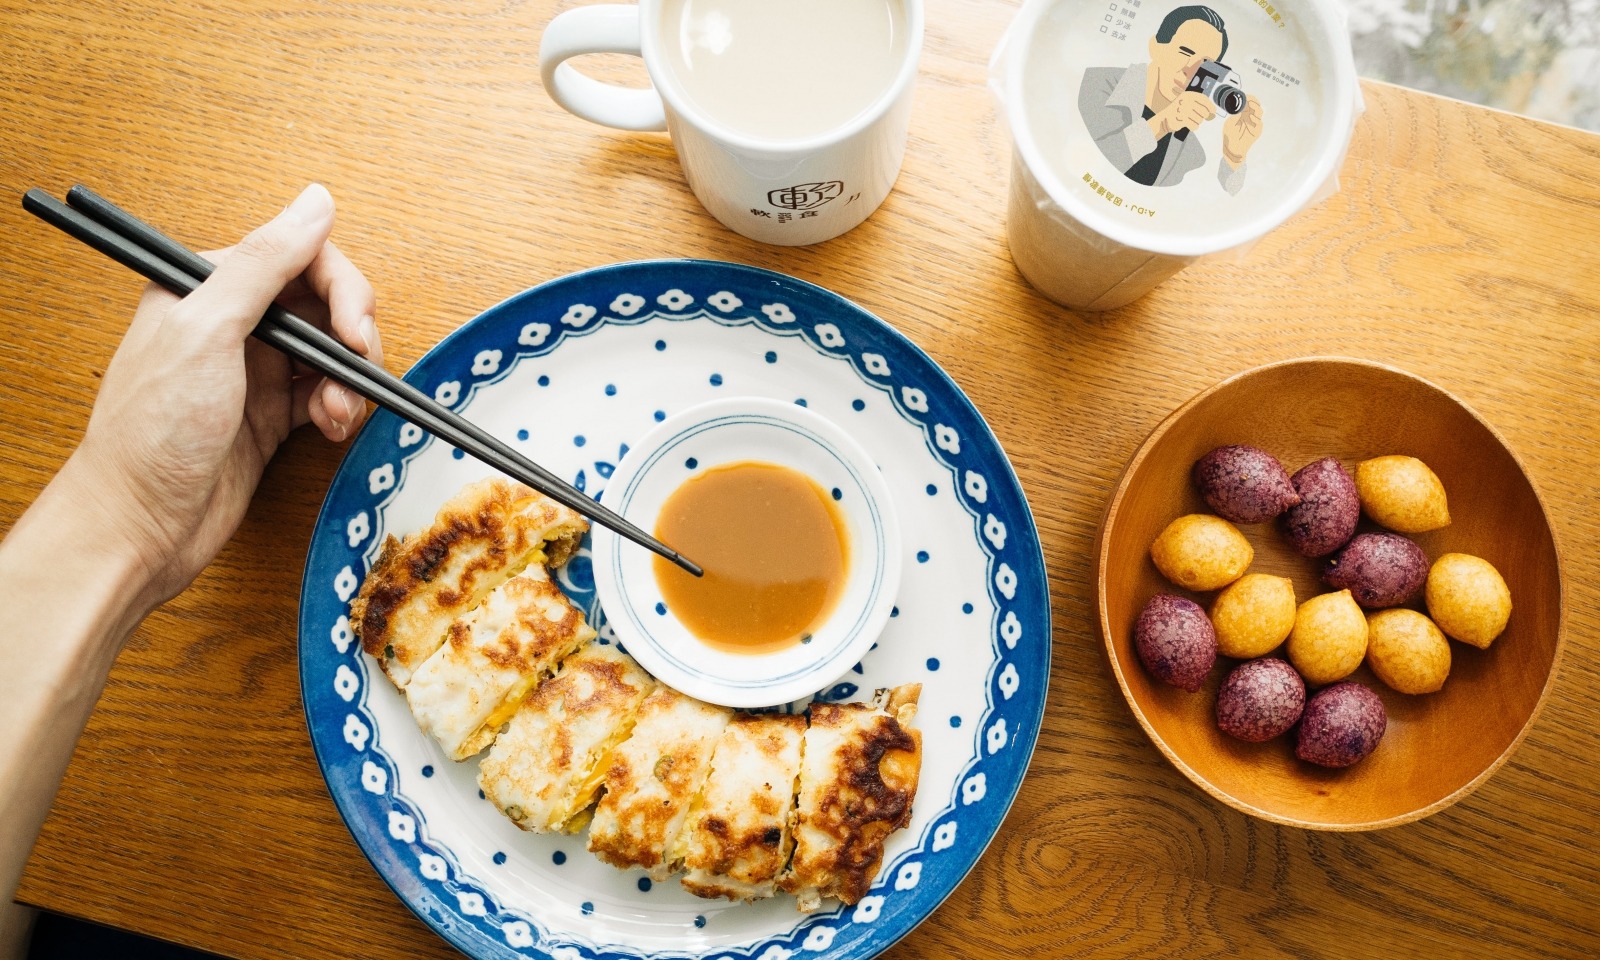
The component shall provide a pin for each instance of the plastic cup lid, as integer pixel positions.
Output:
(1181, 129)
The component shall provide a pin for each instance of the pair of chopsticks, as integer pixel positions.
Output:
(140, 247)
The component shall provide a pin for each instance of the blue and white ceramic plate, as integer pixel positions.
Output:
(573, 371)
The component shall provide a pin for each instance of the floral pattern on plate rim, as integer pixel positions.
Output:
(392, 832)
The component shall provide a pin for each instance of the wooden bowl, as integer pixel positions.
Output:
(1438, 747)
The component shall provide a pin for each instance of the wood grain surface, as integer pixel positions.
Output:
(1464, 247)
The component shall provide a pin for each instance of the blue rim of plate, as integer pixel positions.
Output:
(390, 829)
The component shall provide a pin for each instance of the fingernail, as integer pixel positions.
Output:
(369, 333)
(352, 406)
(313, 206)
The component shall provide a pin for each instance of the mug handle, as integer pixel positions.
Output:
(600, 28)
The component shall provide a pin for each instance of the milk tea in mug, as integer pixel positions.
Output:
(831, 61)
(788, 116)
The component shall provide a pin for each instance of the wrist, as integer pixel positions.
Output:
(76, 532)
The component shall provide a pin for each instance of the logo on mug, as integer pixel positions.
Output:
(805, 196)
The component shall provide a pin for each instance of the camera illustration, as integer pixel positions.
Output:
(1219, 82)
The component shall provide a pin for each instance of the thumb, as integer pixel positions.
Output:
(232, 300)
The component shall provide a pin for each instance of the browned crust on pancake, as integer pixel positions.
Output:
(485, 514)
(632, 828)
(754, 855)
(558, 552)
(509, 650)
(622, 851)
(711, 891)
(877, 770)
(610, 680)
(593, 697)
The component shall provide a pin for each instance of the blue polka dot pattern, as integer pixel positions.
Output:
(933, 663)
(499, 858)
(660, 415)
(558, 858)
(916, 393)
(544, 381)
(481, 796)
(701, 921)
(427, 771)
(838, 494)
(894, 611)
(858, 405)
(588, 908)
(522, 434)
(661, 344)
(580, 440)
(644, 884)
(922, 556)
(716, 379)
(457, 454)
(611, 389)
(772, 357)
(691, 463)
(966, 608)
(661, 609)
(800, 402)
(932, 489)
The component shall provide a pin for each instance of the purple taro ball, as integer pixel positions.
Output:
(1260, 699)
(1175, 641)
(1325, 518)
(1244, 484)
(1341, 725)
(1379, 569)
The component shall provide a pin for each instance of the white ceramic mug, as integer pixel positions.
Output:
(1081, 229)
(787, 192)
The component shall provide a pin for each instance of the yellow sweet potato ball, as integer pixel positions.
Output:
(1253, 615)
(1201, 552)
(1329, 638)
(1407, 651)
(1468, 598)
(1402, 494)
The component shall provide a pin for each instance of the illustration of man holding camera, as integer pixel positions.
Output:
(1141, 116)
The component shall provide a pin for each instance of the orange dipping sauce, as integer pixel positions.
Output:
(775, 552)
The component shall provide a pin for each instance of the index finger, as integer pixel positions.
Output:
(352, 303)
(227, 306)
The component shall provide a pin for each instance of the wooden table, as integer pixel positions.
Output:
(1464, 246)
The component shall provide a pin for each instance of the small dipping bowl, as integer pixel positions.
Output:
(735, 430)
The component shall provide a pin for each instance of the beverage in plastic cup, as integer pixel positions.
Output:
(1149, 133)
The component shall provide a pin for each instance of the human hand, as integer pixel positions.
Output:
(1239, 132)
(191, 408)
(1188, 111)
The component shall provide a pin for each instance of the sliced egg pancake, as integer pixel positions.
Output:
(737, 839)
(545, 769)
(480, 538)
(653, 778)
(858, 779)
(492, 658)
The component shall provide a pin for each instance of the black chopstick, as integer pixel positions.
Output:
(135, 244)
(132, 228)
